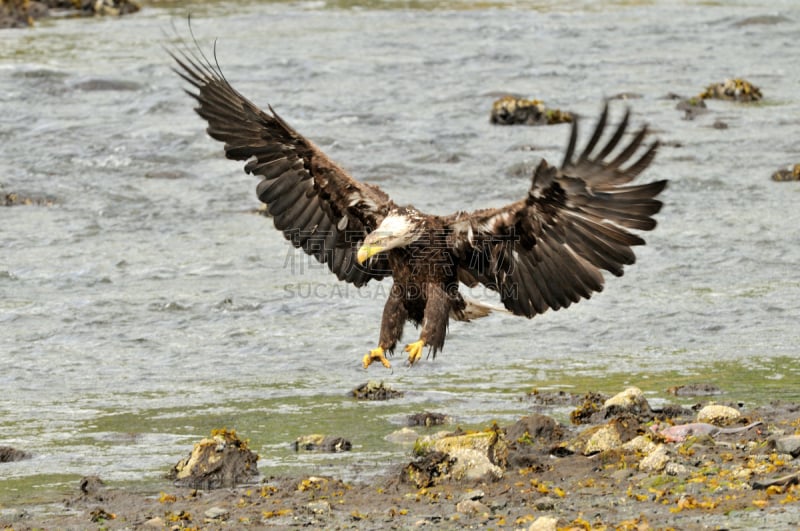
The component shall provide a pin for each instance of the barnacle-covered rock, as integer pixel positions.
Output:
(222, 460)
(718, 414)
(428, 470)
(609, 436)
(631, 400)
(656, 460)
(470, 455)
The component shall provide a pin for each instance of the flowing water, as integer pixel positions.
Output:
(148, 305)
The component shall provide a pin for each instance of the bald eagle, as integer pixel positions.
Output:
(544, 251)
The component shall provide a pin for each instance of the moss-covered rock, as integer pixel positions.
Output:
(375, 391)
(735, 89)
(511, 110)
(471, 455)
(222, 460)
(792, 174)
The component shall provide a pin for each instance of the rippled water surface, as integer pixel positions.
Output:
(148, 305)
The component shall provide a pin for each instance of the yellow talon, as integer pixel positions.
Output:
(376, 354)
(414, 351)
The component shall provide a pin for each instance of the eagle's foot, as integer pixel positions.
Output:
(376, 354)
(414, 351)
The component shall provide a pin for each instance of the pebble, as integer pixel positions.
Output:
(155, 523)
(319, 507)
(545, 503)
(675, 469)
(217, 513)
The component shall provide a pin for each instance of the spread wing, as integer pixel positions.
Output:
(548, 249)
(314, 202)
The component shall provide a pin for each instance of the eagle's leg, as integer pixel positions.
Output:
(394, 317)
(434, 325)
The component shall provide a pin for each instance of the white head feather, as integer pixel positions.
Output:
(395, 230)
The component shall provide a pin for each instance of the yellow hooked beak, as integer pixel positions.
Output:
(368, 251)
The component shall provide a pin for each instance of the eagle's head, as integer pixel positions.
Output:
(398, 229)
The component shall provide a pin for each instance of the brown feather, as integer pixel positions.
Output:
(299, 182)
(574, 222)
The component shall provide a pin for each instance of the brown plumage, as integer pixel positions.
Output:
(545, 251)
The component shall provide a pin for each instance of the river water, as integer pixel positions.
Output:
(148, 305)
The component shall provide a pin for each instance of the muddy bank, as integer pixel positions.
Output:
(620, 464)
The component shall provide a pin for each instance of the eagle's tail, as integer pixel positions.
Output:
(475, 309)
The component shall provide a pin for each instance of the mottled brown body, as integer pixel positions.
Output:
(425, 290)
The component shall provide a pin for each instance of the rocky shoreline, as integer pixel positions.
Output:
(619, 464)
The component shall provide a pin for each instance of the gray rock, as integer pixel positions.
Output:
(9, 454)
(545, 503)
(788, 445)
(476, 494)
